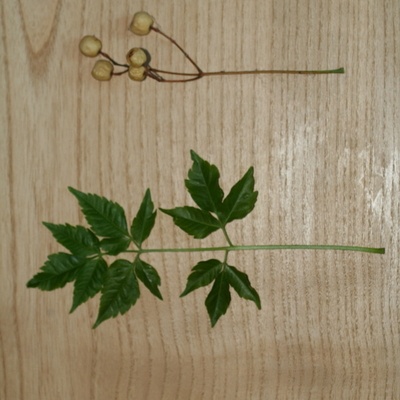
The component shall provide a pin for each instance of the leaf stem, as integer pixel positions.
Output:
(228, 239)
(226, 257)
(262, 247)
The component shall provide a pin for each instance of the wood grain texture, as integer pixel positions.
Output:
(326, 153)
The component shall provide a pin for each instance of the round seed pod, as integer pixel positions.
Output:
(137, 57)
(102, 70)
(141, 23)
(137, 74)
(90, 46)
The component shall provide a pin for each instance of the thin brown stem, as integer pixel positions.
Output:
(161, 71)
(120, 73)
(154, 73)
(151, 73)
(113, 61)
(274, 71)
(194, 77)
(179, 47)
(253, 72)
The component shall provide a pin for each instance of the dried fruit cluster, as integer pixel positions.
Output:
(138, 59)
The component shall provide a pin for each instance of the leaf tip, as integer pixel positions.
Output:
(98, 322)
(75, 192)
(30, 283)
(195, 157)
(213, 323)
(165, 210)
(192, 153)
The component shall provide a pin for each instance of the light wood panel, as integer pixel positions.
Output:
(326, 155)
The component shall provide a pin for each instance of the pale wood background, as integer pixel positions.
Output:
(326, 156)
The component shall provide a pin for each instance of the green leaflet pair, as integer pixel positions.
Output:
(120, 282)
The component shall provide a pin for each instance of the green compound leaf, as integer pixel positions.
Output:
(89, 281)
(106, 218)
(119, 284)
(120, 291)
(202, 275)
(149, 276)
(241, 199)
(241, 283)
(203, 184)
(57, 271)
(195, 222)
(77, 239)
(144, 221)
(218, 300)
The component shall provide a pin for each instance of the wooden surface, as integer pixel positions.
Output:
(326, 155)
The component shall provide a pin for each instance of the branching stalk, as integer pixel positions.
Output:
(183, 77)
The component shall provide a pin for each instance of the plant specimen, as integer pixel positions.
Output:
(138, 60)
(93, 261)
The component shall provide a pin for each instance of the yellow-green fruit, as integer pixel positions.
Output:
(141, 23)
(102, 70)
(137, 74)
(90, 46)
(136, 57)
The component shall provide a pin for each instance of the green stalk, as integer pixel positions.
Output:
(374, 250)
